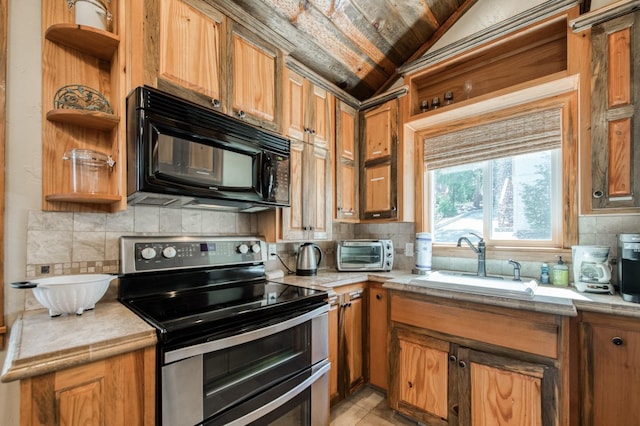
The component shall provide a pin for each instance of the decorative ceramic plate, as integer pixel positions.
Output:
(77, 96)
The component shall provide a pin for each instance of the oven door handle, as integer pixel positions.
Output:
(227, 342)
(282, 399)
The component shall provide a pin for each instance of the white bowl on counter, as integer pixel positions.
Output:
(72, 294)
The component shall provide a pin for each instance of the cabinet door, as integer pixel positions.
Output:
(333, 350)
(615, 139)
(320, 201)
(346, 163)
(293, 220)
(379, 193)
(294, 105)
(190, 42)
(381, 129)
(423, 370)
(115, 391)
(611, 377)
(352, 339)
(496, 390)
(320, 116)
(255, 89)
(378, 347)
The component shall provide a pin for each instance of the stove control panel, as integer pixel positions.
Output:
(139, 254)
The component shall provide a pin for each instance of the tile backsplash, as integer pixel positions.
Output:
(70, 243)
(62, 243)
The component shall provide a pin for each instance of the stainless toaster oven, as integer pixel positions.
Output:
(364, 255)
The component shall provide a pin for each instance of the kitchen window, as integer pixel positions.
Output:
(504, 179)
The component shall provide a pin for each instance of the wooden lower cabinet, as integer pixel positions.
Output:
(444, 373)
(378, 348)
(334, 309)
(346, 341)
(115, 391)
(610, 377)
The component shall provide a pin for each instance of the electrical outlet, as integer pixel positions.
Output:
(272, 252)
(408, 249)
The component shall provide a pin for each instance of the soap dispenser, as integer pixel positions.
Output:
(560, 273)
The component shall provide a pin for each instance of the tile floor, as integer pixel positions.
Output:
(367, 407)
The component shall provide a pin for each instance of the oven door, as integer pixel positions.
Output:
(233, 378)
(302, 400)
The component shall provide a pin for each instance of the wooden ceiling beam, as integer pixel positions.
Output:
(437, 35)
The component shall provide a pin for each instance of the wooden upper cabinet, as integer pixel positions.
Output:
(379, 178)
(308, 110)
(191, 40)
(347, 168)
(321, 116)
(256, 89)
(615, 139)
(293, 105)
(380, 130)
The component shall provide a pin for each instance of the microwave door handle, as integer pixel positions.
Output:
(267, 176)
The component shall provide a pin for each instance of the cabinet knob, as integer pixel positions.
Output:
(242, 114)
(313, 131)
(215, 103)
(452, 358)
(598, 194)
(462, 364)
(379, 296)
(410, 384)
(455, 409)
(617, 341)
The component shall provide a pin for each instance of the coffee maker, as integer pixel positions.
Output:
(629, 267)
(591, 269)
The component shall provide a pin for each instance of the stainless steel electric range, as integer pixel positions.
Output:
(233, 348)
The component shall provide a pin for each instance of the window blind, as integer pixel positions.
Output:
(536, 131)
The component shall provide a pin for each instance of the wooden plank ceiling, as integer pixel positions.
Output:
(357, 44)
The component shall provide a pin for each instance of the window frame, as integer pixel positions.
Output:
(487, 184)
(560, 94)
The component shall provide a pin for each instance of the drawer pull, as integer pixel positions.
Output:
(617, 341)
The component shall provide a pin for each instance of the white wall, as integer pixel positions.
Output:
(23, 162)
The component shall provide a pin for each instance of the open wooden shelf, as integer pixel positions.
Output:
(96, 42)
(82, 118)
(78, 197)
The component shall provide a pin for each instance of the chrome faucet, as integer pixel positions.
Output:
(516, 269)
(480, 251)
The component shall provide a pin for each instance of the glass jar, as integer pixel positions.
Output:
(89, 170)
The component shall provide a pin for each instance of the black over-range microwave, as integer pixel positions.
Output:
(180, 154)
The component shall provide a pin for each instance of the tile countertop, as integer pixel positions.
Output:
(548, 299)
(40, 344)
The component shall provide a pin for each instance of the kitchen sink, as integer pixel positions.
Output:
(471, 283)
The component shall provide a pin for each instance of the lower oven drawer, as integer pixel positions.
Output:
(302, 400)
(261, 365)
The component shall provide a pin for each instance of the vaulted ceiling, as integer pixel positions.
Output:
(356, 45)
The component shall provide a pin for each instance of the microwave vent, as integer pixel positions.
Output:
(156, 201)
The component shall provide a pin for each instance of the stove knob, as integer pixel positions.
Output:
(148, 253)
(243, 248)
(169, 252)
(255, 248)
